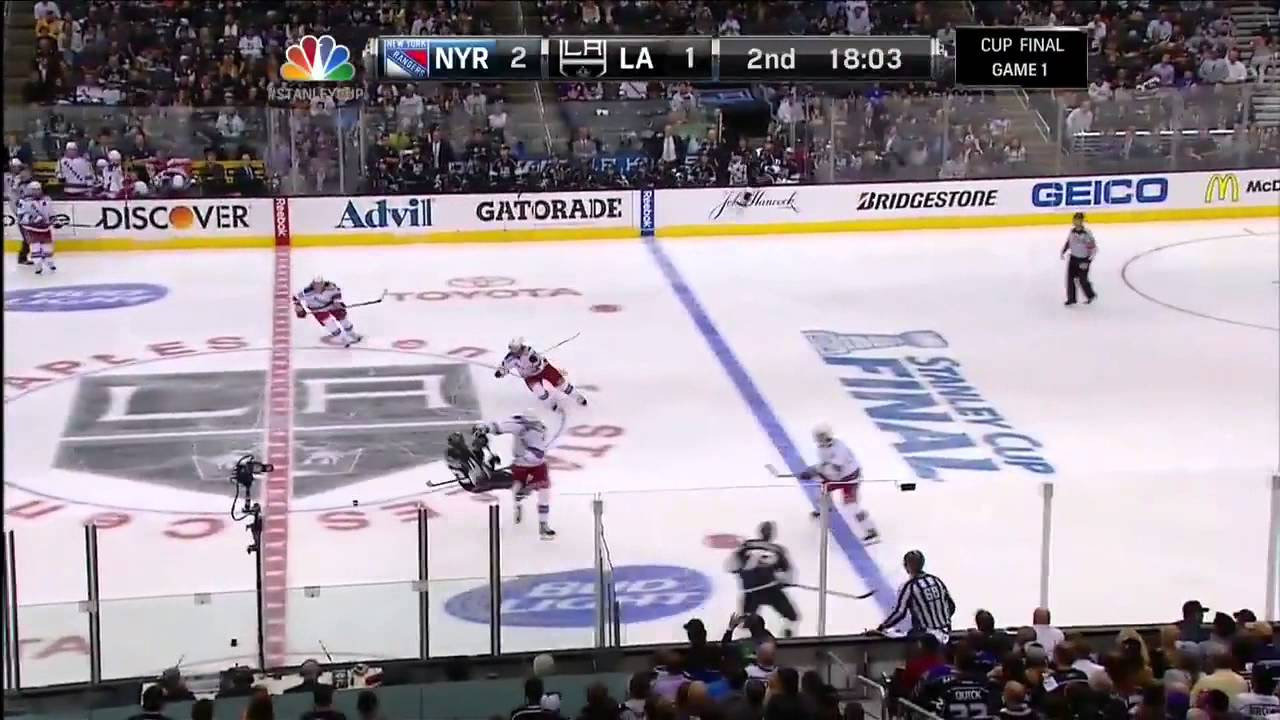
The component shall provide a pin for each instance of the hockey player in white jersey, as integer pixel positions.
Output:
(529, 463)
(323, 301)
(111, 176)
(35, 222)
(75, 172)
(838, 469)
(16, 177)
(537, 373)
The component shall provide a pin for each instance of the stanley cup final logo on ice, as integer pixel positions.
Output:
(938, 422)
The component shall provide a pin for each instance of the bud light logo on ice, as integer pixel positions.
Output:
(939, 423)
(568, 599)
(1103, 192)
(412, 213)
(73, 298)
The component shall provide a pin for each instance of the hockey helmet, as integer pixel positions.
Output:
(768, 530)
(318, 282)
(456, 440)
(114, 156)
(516, 344)
(33, 187)
(15, 164)
(823, 435)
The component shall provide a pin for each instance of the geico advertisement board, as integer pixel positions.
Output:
(155, 219)
(420, 214)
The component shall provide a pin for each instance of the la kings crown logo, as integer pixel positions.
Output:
(186, 430)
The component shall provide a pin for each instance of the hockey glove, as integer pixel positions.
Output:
(499, 373)
(299, 311)
(805, 475)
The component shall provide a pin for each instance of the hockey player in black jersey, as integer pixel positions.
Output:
(765, 570)
(475, 466)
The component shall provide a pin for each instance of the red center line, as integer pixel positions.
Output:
(279, 485)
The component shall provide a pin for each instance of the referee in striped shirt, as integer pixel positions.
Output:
(1082, 247)
(925, 598)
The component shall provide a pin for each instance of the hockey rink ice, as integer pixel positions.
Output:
(944, 359)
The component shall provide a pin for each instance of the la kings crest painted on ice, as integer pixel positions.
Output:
(186, 430)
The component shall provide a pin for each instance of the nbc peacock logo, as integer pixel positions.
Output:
(317, 60)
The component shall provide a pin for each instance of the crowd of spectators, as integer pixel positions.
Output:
(1187, 670)
(196, 75)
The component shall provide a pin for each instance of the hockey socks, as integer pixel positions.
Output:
(544, 513)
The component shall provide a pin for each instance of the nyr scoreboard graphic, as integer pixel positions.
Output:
(1025, 57)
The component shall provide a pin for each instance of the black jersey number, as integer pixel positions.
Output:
(968, 711)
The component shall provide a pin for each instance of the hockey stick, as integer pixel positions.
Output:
(381, 297)
(774, 471)
(562, 342)
(837, 593)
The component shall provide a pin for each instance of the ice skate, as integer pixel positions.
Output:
(519, 514)
(871, 538)
(545, 532)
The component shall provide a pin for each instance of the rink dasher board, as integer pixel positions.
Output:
(180, 223)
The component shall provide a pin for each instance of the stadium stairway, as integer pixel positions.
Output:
(529, 115)
(19, 47)
(1251, 18)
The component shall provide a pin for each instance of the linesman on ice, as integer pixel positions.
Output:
(924, 599)
(1082, 248)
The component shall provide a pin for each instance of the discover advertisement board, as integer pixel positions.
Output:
(162, 224)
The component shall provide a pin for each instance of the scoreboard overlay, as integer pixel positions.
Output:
(1033, 58)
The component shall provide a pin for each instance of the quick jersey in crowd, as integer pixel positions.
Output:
(761, 564)
(966, 697)
(928, 602)
(1080, 243)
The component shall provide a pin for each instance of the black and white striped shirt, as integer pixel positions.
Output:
(929, 603)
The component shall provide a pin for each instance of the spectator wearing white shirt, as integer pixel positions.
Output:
(230, 124)
(411, 106)
(475, 103)
(788, 110)
(947, 35)
(765, 663)
(1100, 91)
(251, 45)
(730, 26)
(47, 10)
(1160, 29)
(1080, 120)
(1046, 634)
(859, 20)
(230, 27)
(497, 121)
(1237, 71)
